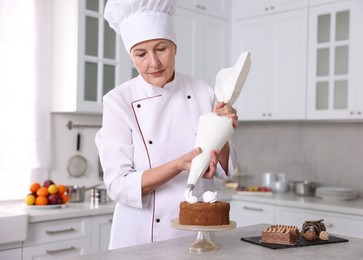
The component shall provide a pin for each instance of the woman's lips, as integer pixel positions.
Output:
(157, 73)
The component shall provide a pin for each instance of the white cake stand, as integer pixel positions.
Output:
(203, 243)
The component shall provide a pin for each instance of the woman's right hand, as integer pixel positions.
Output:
(184, 162)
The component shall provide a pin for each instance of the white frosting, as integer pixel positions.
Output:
(188, 196)
(210, 196)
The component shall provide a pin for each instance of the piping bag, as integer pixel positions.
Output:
(213, 131)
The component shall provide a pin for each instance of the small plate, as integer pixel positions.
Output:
(55, 206)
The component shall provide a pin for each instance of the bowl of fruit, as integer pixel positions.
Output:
(48, 195)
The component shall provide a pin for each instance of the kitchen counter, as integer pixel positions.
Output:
(353, 207)
(70, 210)
(231, 247)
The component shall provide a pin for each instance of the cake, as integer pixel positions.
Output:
(204, 214)
(314, 229)
(280, 234)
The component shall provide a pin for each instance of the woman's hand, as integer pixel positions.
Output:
(214, 157)
(223, 109)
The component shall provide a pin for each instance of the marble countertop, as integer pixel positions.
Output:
(353, 207)
(70, 210)
(231, 247)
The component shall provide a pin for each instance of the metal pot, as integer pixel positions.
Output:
(76, 193)
(99, 196)
(304, 188)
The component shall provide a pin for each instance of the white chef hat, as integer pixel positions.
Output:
(141, 20)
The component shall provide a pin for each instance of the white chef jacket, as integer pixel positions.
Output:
(145, 126)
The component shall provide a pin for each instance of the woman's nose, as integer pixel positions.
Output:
(154, 60)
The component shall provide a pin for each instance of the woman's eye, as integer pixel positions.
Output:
(140, 55)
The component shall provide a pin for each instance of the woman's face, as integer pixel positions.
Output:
(155, 61)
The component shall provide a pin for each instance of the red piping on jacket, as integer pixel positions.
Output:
(148, 157)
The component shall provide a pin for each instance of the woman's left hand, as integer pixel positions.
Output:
(223, 109)
(214, 157)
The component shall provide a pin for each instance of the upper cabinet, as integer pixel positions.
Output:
(203, 45)
(247, 9)
(87, 57)
(335, 60)
(218, 8)
(276, 85)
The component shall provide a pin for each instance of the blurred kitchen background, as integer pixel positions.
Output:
(300, 109)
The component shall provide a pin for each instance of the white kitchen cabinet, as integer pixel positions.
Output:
(335, 61)
(60, 238)
(62, 249)
(203, 44)
(339, 224)
(247, 213)
(11, 254)
(87, 59)
(276, 85)
(218, 8)
(101, 227)
(248, 8)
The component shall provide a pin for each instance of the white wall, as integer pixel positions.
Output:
(64, 147)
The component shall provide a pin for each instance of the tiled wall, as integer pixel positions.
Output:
(327, 153)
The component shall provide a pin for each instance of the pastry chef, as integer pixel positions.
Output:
(147, 138)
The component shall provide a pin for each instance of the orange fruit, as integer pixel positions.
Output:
(43, 191)
(62, 189)
(41, 200)
(34, 187)
(65, 198)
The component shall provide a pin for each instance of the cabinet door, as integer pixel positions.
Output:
(88, 58)
(58, 230)
(11, 254)
(213, 48)
(253, 35)
(334, 85)
(276, 85)
(287, 72)
(62, 250)
(248, 8)
(218, 8)
(202, 44)
(101, 227)
(247, 213)
(185, 23)
(339, 224)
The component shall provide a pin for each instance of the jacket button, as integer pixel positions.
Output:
(157, 220)
(138, 105)
(189, 97)
(150, 142)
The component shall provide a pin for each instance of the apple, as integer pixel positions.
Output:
(47, 183)
(54, 199)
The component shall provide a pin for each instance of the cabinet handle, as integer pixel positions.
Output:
(271, 7)
(49, 252)
(201, 7)
(254, 209)
(359, 112)
(110, 220)
(266, 9)
(53, 232)
(351, 113)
